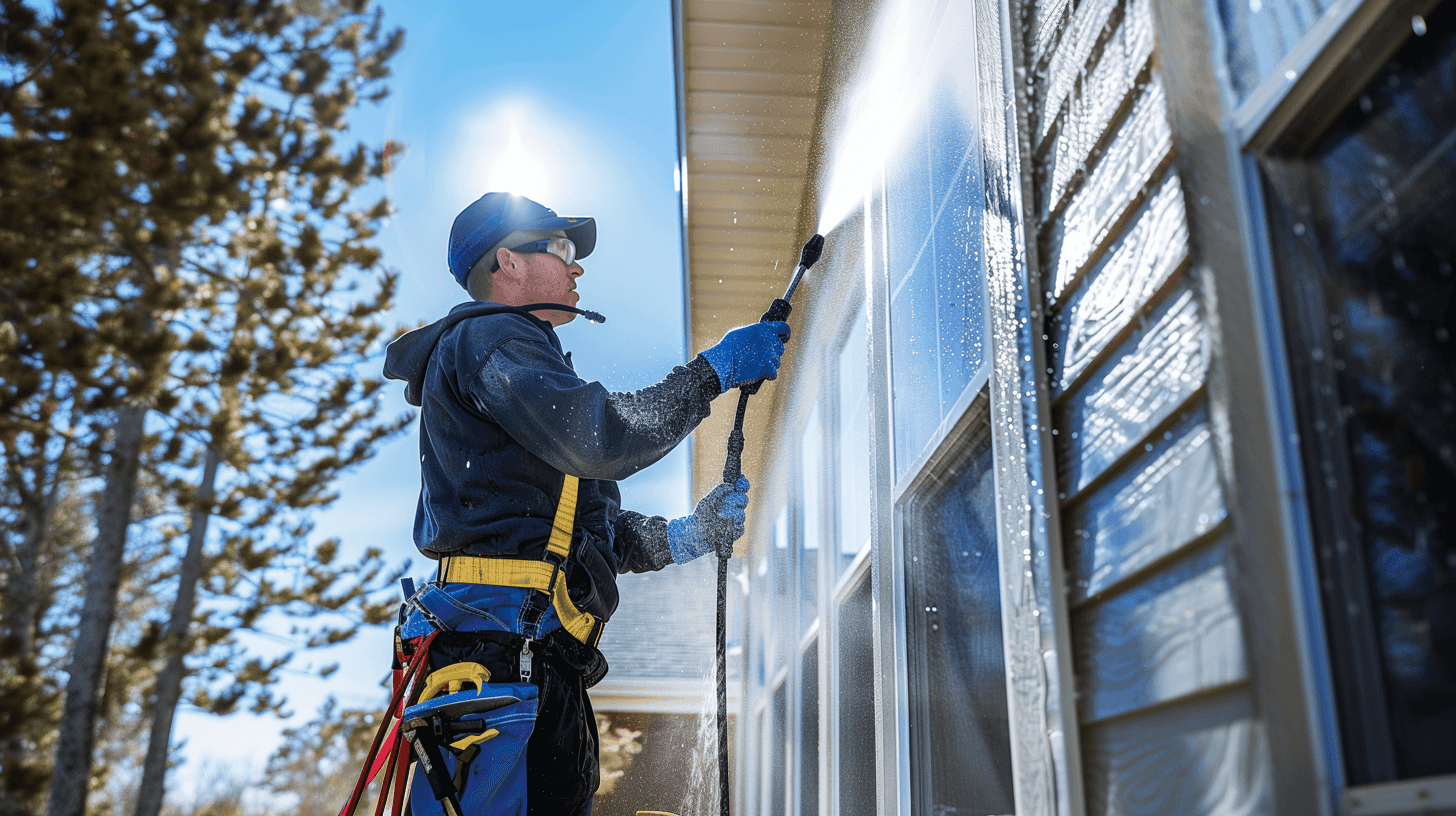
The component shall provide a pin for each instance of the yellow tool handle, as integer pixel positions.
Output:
(455, 675)
(462, 744)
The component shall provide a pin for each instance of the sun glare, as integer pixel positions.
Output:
(518, 170)
(503, 148)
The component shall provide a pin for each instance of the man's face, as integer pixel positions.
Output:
(545, 278)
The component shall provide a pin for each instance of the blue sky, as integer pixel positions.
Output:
(571, 103)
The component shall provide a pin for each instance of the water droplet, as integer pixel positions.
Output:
(1418, 25)
(1298, 230)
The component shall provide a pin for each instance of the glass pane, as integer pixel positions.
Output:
(812, 450)
(776, 797)
(936, 282)
(856, 704)
(1364, 231)
(759, 627)
(1262, 32)
(781, 617)
(960, 752)
(809, 730)
(751, 770)
(854, 446)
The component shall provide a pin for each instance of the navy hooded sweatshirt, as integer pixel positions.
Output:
(503, 416)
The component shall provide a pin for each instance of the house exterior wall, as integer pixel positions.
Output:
(1100, 399)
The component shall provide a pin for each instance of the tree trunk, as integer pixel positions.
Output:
(76, 737)
(174, 645)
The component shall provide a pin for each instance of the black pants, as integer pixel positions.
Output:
(562, 770)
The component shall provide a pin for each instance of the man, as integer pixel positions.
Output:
(509, 436)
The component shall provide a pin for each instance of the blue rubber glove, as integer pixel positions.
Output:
(714, 525)
(748, 353)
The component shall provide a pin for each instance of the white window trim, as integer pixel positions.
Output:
(1408, 796)
(1279, 98)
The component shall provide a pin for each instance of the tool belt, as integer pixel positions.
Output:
(468, 746)
(544, 576)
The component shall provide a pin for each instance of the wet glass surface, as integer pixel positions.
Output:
(1262, 32)
(856, 775)
(1364, 232)
(752, 773)
(937, 319)
(811, 464)
(854, 446)
(781, 617)
(776, 797)
(960, 752)
(809, 730)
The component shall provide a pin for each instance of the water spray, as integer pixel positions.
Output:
(777, 312)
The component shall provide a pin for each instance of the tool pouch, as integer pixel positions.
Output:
(469, 749)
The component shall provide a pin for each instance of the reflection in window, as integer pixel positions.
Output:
(809, 731)
(1261, 33)
(1364, 231)
(960, 752)
(778, 779)
(937, 326)
(854, 446)
(781, 616)
(856, 775)
(751, 770)
(811, 461)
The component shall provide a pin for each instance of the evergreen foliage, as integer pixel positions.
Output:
(187, 289)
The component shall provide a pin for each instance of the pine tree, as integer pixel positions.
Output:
(142, 147)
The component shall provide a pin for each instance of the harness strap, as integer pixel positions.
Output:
(541, 576)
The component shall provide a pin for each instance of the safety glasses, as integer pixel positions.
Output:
(562, 248)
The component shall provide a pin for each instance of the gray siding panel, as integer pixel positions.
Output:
(1096, 102)
(1089, 19)
(1172, 636)
(1132, 160)
(1146, 380)
(1126, 280)
(1209, 756)
(1166, 500)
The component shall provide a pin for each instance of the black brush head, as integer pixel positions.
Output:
(809, 255)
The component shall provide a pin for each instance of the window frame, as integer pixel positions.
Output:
(1330, 64)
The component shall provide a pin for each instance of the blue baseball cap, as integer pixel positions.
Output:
(483, 225)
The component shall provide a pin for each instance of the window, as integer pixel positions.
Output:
(808, 737)
(856, 701)
(811, 460)
(1263, 32)
(854, 447)
(1363, 230)
(960, 751)
(933, 199)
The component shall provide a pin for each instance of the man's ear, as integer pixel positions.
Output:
(506, 260)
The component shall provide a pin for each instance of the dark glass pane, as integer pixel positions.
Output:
(856, 704)
(809, 731)
(960, 753)
(776, 802)
(1364, 232)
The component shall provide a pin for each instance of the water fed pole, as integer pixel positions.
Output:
(732, 469)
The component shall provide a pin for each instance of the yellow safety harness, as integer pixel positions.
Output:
(543, 576)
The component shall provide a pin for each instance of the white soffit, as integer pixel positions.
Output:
(749, 99)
